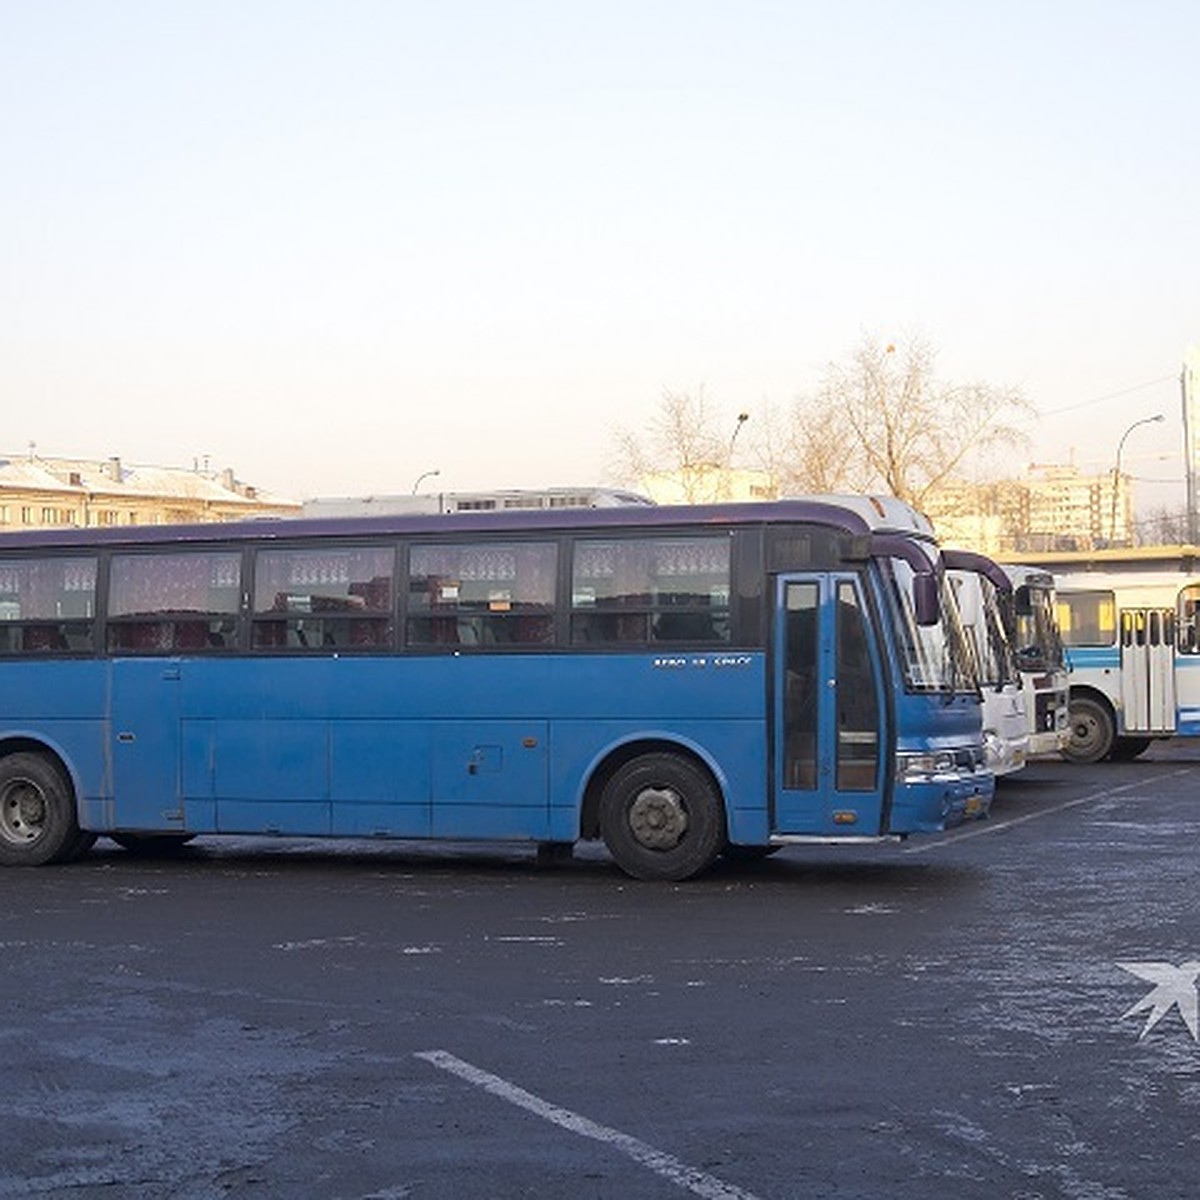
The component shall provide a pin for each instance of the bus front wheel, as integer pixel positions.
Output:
(37, 813)
(1092, 731)
(661, 818)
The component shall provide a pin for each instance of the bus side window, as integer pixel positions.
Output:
(488, 595)
(47, 605)
(1188, 608)
(652, 590)
(331, 597)
(165, 602)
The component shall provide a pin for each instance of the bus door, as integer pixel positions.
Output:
(1148, 670)
(829, 734)
(144, 725)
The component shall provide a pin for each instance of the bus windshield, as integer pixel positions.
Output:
(935, 658)
(1036, 641)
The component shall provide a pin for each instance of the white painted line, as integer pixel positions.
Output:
(1000, 826)
(669, 1168)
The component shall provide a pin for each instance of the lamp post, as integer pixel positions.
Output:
(742, 418)
(1112, 524)
(422, 477)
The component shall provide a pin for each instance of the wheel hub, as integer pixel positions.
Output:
(658, 818)
(22, 812)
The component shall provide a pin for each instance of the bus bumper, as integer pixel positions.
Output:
(933, 795)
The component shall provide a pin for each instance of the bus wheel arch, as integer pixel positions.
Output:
(659, 809)
(39, 820)
(1092, 727)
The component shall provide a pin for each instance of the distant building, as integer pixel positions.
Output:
(1054, 507)
(38, 492)
(708, 483)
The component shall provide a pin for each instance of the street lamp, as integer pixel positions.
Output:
(742, 418)
(727, 490)
(430, 474)
(1112, 524)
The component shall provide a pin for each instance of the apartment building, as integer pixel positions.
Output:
(39, 492)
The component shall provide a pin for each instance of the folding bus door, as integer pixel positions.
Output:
(828, 720)
(1148, 670)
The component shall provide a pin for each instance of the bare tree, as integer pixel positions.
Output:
(802, 452)
(884, 420)
(685, 439)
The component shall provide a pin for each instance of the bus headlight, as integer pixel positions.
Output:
(917, 768)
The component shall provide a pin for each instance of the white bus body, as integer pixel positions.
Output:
(1033, 630)
(1005, 723)
(1133, 647)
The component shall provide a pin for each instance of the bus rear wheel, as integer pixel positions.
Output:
(38, 824)
(661, 817)
(1092, 731)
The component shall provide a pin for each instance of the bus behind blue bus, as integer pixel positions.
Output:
(679, 682)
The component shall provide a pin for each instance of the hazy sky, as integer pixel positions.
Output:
(335, 245)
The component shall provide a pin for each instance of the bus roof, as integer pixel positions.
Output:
(853, 515)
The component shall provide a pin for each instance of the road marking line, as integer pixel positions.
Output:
(990, 827)
(665, 1165)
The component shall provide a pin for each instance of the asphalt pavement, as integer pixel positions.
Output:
(1004, 1012)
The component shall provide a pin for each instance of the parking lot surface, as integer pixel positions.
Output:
(1003, 1012)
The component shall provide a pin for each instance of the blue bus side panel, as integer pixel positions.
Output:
(64, 705)
(490, 779)
(380, 778)
(444, 746)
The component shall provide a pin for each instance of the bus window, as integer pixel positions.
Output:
(325, 598)
(643, 590)
(1087, 618)
(47, 605)
(802, 690)
(1189, 620)
(482, 594)
(162, 603)
(857, 705)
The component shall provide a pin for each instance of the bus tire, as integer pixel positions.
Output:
(38, 823)
(1092, 731)
(661, 818)
(1126, 749)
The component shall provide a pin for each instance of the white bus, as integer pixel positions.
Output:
(1132, 635)
(501, 500)
(983, 591)
(1033, 630)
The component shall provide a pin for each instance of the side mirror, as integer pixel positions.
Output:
(926, 599)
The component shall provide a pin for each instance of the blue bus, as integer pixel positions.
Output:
(680, 682)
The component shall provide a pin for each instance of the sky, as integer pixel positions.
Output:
(336, 246)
